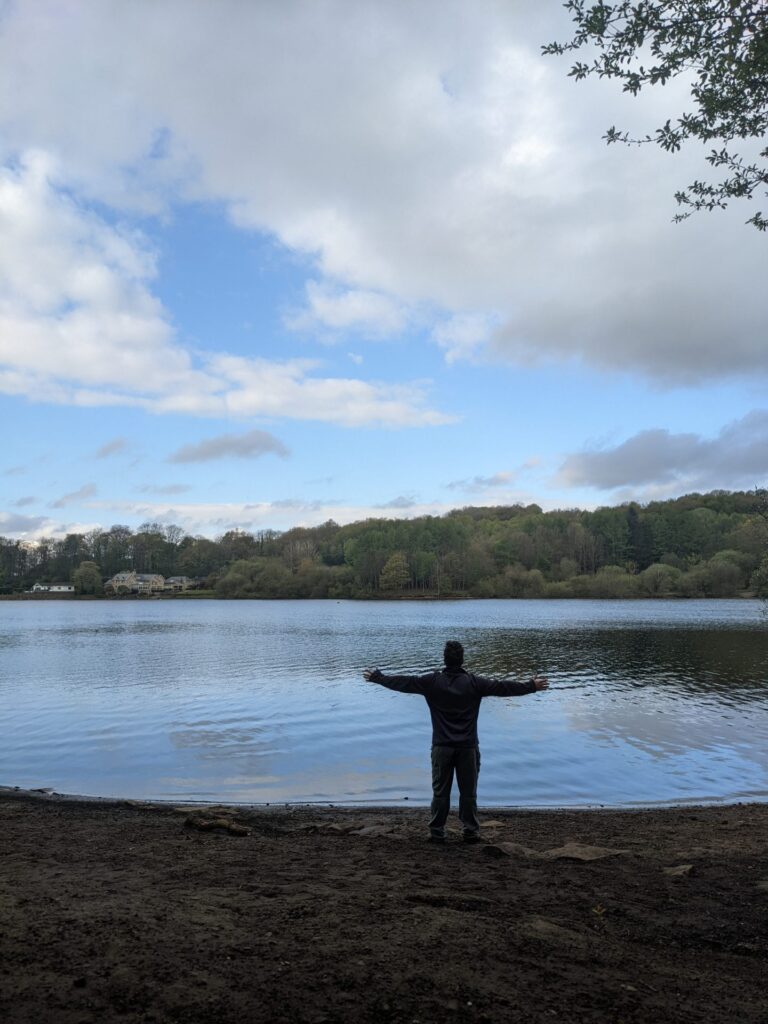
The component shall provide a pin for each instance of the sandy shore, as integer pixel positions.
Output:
(128, 912)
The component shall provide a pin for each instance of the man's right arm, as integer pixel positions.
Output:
(403, 684)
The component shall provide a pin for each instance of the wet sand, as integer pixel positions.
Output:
(115, 911)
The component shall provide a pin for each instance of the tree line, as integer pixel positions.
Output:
(698, 545)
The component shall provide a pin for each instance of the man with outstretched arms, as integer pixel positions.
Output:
(453, 695)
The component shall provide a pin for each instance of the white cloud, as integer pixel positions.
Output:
(75, 309)
(13, 525)
(165, 489)
(463, 334)
(258, 387)
(670, 306)
(81, 494)
(34, 528)
(422, 156)
(117, 446)
(213, 518)
(665, 463)
(79, 325)
(367, 313)
(210, 519)
(250, 445)
(400, 502)
(482, 483)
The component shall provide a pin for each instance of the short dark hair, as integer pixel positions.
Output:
(453, 654)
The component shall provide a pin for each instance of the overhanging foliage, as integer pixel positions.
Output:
(722, 47)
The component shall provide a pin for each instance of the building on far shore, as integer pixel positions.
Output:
(53, 588)
(177, 583)
(130, 582)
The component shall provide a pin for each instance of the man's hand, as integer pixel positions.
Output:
(541, 682)
(368, 673)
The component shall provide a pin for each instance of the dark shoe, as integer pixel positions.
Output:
(434, 837)
(471, 837)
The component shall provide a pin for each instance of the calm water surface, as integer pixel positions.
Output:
(263, 701)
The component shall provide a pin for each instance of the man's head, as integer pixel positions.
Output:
(453, 654)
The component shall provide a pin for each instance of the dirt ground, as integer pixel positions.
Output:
(128, 912)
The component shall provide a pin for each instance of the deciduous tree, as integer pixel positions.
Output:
(87, 579)
(721, 47)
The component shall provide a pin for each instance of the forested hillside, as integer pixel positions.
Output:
(699, 545)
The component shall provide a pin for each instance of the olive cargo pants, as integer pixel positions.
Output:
(465, 761)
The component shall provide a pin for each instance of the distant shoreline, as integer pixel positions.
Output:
(416, 598)
(362, 600)
(48, 794)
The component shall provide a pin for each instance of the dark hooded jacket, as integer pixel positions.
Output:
(453, 696)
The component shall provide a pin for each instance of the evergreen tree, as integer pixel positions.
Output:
(395, 575)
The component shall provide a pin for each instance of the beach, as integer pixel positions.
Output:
(123, 911)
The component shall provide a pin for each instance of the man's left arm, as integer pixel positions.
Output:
(509, 687)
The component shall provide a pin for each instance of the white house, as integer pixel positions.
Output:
(53, 588)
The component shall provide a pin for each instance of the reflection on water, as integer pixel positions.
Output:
(263, 701)
(705, 661)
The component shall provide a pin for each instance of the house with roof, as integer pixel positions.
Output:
(130, 582)
(177, 582)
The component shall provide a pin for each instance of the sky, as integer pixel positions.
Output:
(265, 265)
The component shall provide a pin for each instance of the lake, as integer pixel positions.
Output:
(263, 701)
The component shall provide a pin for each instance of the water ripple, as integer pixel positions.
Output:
(263, 701)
